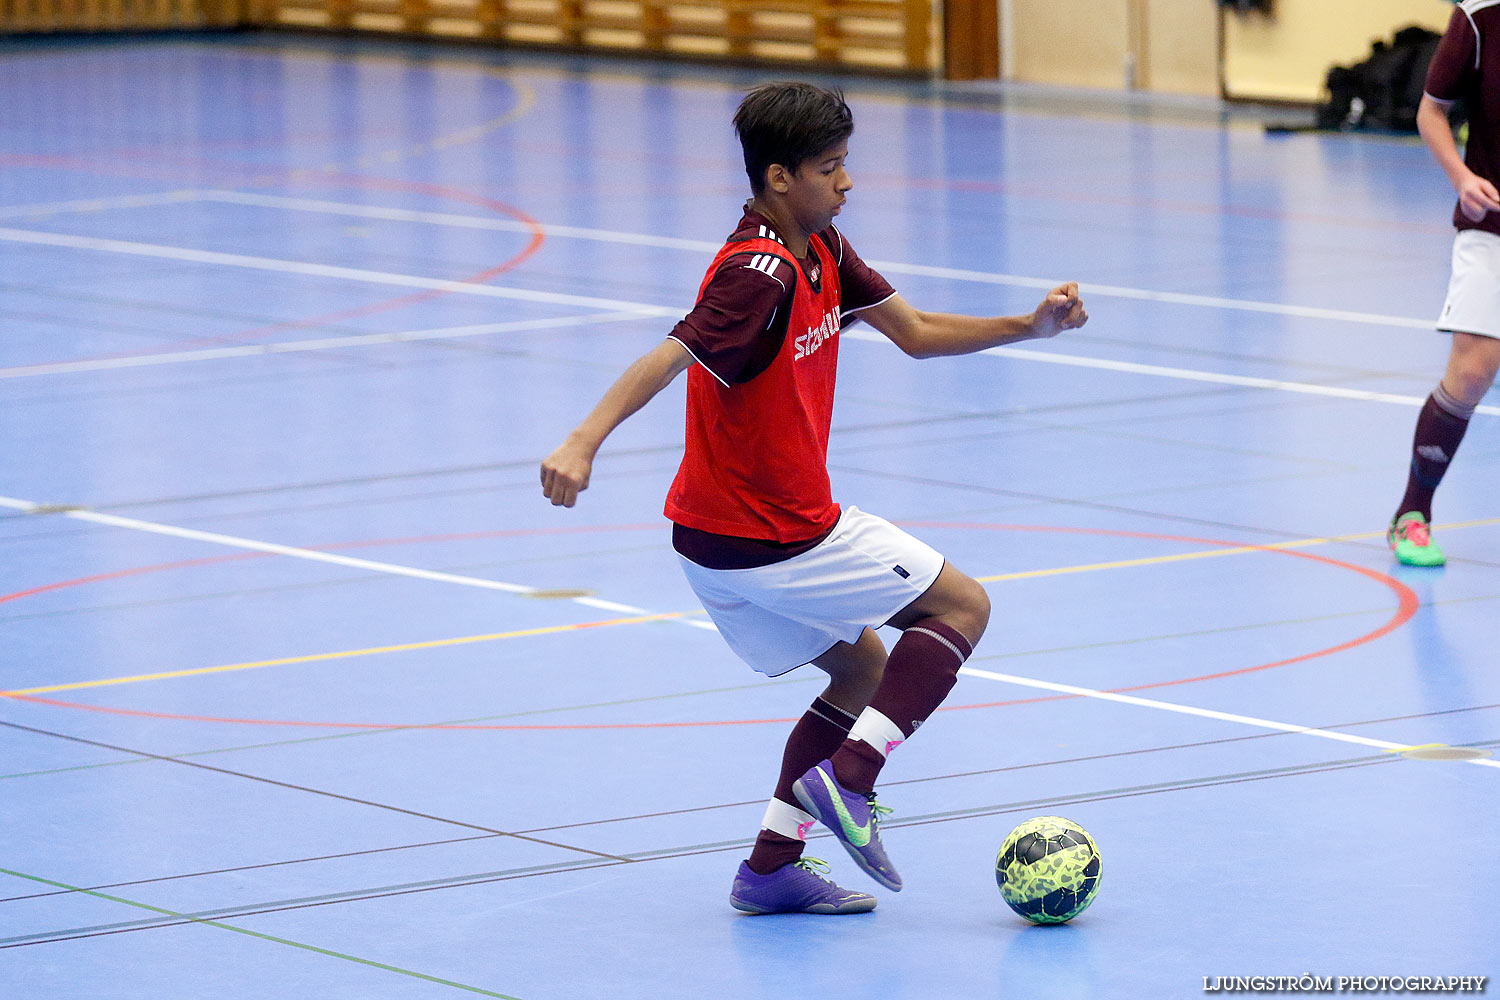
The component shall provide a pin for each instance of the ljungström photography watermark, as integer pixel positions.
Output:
(1344, 984)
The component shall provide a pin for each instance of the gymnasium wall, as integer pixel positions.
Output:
(1286, 56)
(1173, 46)
(1169, 46)
(1164, 46)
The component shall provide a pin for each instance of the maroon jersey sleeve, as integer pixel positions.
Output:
(860, 285)
(739, 322)
(1454, 60)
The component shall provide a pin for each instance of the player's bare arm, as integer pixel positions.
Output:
(565, 472)
(1477, 196)
(931, 335)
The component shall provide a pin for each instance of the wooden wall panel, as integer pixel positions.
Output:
(37, 16)
(879, 34)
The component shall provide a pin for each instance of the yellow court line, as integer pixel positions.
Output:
(668, 615)
(344, 654)
(525, 104)
(1212, 553)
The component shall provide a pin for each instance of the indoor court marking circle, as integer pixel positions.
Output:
(1406, 607)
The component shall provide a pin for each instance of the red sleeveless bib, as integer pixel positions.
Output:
(756, 458)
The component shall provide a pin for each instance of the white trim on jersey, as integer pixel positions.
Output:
(872, 305)
(774, 313)
(766, 263)
(695, 359)
(1470, 8)
(1439, 101)
(841, 243)
(770, 234)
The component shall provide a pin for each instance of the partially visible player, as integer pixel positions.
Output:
(1467, 67)
(787, 575)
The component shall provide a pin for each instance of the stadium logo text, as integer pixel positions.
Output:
(815, 336)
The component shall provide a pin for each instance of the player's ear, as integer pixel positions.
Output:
(778, 178)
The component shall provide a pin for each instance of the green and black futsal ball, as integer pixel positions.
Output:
(1048, 870)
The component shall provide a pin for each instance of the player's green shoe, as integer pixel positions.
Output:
(853, 817)
(1411, 540)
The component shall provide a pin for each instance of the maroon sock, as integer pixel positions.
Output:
(816, 735)
(1440, 428)
(922, 669)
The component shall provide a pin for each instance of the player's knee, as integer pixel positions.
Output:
(1469, 380)
(981, 611)
(973, 611)
(1471, 368)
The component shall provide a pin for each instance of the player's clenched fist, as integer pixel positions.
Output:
(565, 474)
(1061, 310)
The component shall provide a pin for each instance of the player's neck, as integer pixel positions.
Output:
(783, 222)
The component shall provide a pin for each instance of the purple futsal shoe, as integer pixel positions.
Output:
(795, 888)
(853, 818)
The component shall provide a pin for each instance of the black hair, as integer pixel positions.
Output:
(788, 123)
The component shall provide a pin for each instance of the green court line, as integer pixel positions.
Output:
(264, 937)
(669, 853)
(301, 902)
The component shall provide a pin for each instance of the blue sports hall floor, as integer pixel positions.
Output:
(306, 692)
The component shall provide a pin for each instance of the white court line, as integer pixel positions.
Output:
(99, 204)
(1204, 713)
(320, 344)
(313, 555)
(649, 310)
(1171, 298)
(893, 267)
(452, 219)
(1189, 374)
(310, 269)
(702, 246)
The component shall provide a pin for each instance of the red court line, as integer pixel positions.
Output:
(119, 574)
(1407, 605)
(538, 237)
(300, 175)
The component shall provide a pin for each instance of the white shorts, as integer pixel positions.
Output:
(1473, 304)
(781, 616)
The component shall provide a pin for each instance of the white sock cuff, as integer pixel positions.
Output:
(787, 820)
(874, 728)
(1451, 404)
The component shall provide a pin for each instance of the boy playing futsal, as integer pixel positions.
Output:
(787, 575)
(1466, 66)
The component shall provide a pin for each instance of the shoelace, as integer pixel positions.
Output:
(878, 812)
(817, 866)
